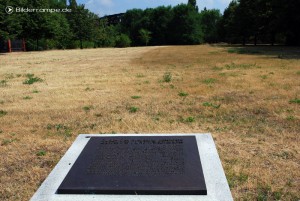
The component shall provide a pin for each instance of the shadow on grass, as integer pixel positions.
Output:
(281, 52)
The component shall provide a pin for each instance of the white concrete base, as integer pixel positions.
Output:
(216, 183)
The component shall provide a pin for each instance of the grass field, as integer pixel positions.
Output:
(248, 98)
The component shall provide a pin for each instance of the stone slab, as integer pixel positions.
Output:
(216, 183)
(137, 165)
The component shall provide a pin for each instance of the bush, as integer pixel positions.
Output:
(123, 41)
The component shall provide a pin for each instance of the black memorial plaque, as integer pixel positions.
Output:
(163, 165)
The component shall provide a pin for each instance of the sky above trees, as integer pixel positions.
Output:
(108, 7)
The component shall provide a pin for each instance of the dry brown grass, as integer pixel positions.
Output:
(242, 99)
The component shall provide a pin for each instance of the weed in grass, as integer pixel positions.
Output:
(209, 81)
(146, 82)
(239, 66)
(6, 141)
(277, 195)
(298, 72)
(60, 129)
(135, 97)
(87, 108)
(190, 119)
(167, 77)
(41, 153)
(290, 118)
(263, 77)
(1, 131)
(183, 94)
(236, 179)
(296, 100)
(1, 102)
(222, 74)
(2, 113)
(156, 118)
(31, 79)
(209, 104)
(88, 89)
(263, 193)
(139, 75)
(284, 155)
(133, 109)
(35, 91)
(216, 68)
(27, 97)
(98, 115)
(3, 83)
(172, 86)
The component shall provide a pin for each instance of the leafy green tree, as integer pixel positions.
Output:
(131, 24)
(106, 34)
(145, 36)
(228, 29)
(184, 28)
(59, 30)
(210, 20)
(123, 41)
(193, 3)
(160, 18)
(10, 24)
(82, 23)
(36, 24)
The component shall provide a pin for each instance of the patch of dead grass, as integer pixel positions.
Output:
(255, 127)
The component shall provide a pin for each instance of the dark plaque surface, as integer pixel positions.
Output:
(137, 165)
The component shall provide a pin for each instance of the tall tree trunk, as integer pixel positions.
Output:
(8, 45)
(81, 47)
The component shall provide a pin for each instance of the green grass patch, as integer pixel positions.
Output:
(27, 97)
(3, 83)
(263, 77)
(135, 97)
(60, 130)
(290, 118)
(263, 193)
(190, 119)
(209, 81)
(216, 68)
(6, 141)
(2, 113)
(236, 179)
(41, 153)
(239, 66)
(167, 77)
(209, 104)
(35, 91)
(133, 109)
(183, 94)
(87, 108)
(296, 100)
(32, 79)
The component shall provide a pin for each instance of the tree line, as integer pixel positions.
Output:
(243, 21)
